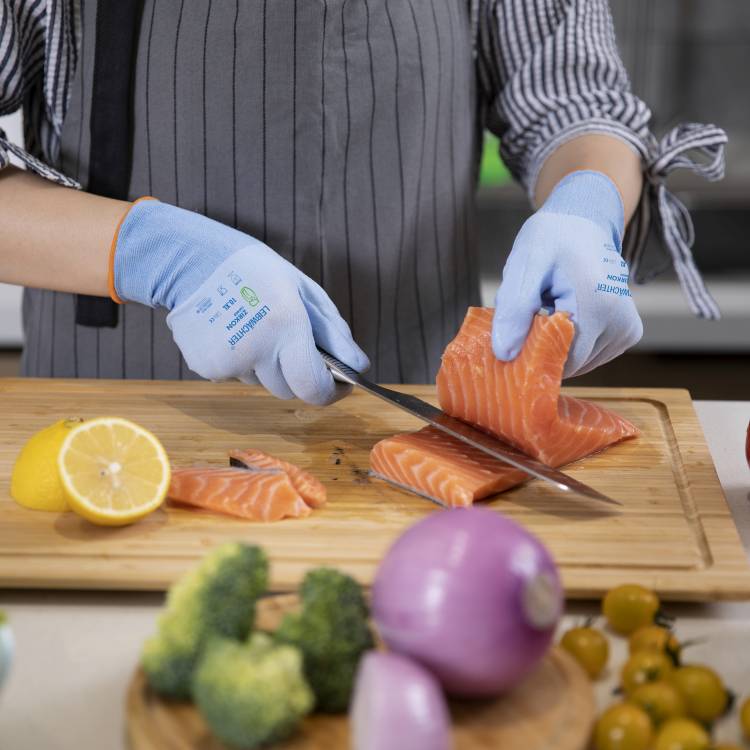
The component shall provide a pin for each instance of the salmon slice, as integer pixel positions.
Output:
(519, 402)
(312, 490)
(254, 495)
(441, 468)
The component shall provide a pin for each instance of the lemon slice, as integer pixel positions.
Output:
(113, 471)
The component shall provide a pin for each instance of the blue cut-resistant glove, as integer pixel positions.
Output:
(238, 309)
(567, 258)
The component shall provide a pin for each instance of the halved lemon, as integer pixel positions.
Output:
(113, 471)
(35, 482)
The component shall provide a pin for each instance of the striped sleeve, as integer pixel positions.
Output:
(24, 53)
(549, 71)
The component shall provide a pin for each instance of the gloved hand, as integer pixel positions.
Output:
(567, 258)
(238, 309)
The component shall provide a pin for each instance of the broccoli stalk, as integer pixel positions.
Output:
(217, 598)
(251, 693)
(332, 632)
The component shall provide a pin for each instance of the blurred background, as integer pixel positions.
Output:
(688, 60)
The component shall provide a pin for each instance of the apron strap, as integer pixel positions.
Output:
(111, 125)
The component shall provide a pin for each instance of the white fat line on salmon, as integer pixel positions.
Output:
(241, 468)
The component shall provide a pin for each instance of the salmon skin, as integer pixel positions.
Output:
(312, 490)
(518, 402)
(263, 495)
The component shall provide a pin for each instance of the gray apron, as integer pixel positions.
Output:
(343, 133)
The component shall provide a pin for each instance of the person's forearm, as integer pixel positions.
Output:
(601, 153)
(53, 237)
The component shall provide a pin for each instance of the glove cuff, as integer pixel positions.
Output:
(593, 196)
(112, 250)
(161, 253)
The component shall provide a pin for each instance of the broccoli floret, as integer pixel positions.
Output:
(217, 598)
(251, 693)
(332, 631)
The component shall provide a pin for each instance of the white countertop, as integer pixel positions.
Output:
(76, 651)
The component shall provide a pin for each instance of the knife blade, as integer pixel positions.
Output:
(463, 431)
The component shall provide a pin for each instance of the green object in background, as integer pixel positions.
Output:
(492, 171)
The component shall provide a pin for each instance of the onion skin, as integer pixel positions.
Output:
(471, 595)
(398, 705)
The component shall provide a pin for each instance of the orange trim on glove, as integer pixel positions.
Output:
(113, 247)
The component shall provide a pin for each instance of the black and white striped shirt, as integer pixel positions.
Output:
(547, 71)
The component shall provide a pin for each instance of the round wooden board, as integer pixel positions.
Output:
(552, 709)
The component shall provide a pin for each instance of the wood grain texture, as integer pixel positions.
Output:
(675, 532)
(552, 708)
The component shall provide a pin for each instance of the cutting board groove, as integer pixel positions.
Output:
(682, 483)
(675, 532)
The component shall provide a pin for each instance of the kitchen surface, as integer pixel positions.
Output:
(534, 534)
(76, 651)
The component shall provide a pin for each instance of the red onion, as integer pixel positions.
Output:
(398, 705)
(471, 595)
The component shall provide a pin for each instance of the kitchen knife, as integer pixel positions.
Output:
(463, 431)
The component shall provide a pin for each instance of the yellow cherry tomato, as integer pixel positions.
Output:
(682, 734)
(629, 607)
(589, 648)
(660, 700)
(745, 717)
(703, 691)
(643, 667)
(623, 727)
(653, 638)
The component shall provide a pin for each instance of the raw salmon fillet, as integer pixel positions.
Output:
(313, 491)
(519, 402)
(441, 468)
(254, 495)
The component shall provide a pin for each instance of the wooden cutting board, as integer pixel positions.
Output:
(552, 708)
(675, 532)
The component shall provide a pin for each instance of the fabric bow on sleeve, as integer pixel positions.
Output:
(671, 215)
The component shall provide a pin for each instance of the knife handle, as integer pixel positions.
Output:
(341, 372)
